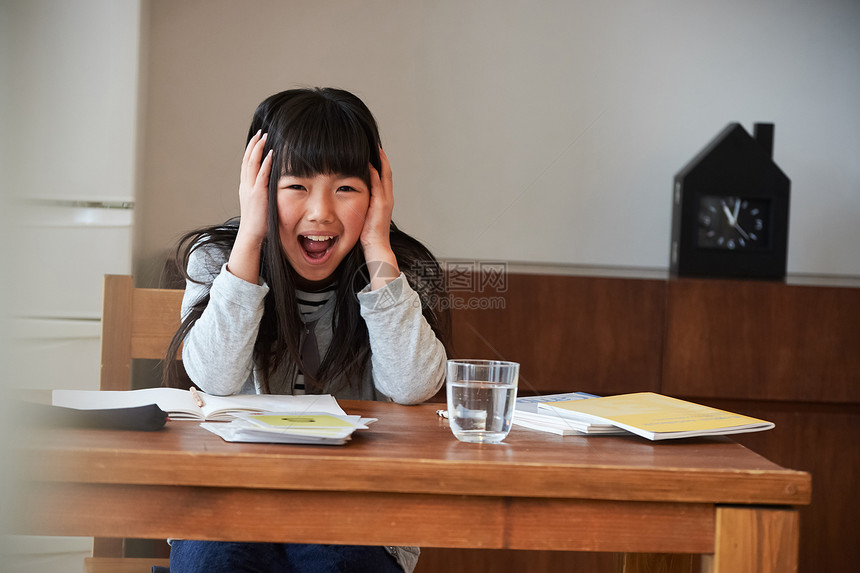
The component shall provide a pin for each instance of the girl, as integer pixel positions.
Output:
(312, 290)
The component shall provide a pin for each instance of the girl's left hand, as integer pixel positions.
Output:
(378, 221)
(375, 239)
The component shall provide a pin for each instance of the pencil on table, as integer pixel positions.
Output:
(197, 398)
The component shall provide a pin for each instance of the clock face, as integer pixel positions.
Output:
(733, 223)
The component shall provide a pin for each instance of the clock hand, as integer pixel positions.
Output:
(741, 231)
(735, 223)
(729, 215)
(733, 217)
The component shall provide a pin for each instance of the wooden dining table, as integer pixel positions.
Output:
(407, 481)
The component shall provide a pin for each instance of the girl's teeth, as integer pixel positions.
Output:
(317, 237)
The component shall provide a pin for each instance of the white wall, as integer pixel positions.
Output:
(73, 70)
(69, 127)
(523, 131)
(6, 472)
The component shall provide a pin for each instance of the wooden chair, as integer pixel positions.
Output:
(136, 323)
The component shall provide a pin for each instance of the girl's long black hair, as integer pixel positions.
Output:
(313, 131)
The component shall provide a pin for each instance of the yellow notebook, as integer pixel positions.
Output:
(657, 417)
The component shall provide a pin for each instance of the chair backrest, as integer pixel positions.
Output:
(136, 323)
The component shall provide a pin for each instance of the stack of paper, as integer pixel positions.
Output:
(290, 428)
(655, 416)
(528, 415)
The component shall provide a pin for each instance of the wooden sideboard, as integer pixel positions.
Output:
(787, 351)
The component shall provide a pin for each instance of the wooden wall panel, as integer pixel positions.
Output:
(762, 340)
(601, 335)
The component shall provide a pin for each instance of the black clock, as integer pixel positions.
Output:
(730, 216)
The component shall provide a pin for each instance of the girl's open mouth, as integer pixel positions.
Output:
(317, 247)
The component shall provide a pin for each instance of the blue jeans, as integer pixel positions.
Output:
(231, 557)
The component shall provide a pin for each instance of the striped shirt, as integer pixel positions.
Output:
(309, 303)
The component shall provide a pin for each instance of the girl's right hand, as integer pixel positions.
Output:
(244, 259)
(254, 189)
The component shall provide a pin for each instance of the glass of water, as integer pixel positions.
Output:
(481, 397)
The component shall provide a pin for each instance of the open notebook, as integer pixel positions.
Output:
(181, 404)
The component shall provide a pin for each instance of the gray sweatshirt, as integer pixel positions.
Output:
(407, 363)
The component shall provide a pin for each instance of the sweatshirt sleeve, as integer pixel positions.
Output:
(408, 360)
(217, 353)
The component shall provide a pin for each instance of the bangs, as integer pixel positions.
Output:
(324, 139)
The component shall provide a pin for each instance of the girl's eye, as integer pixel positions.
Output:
(346, 188)
(297, 187)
